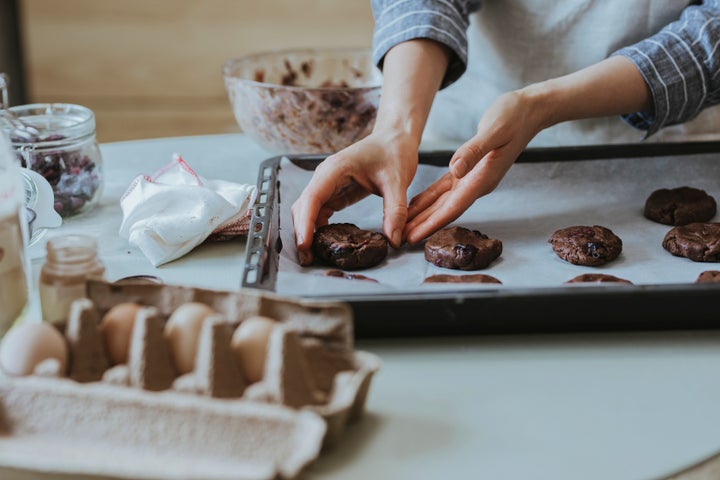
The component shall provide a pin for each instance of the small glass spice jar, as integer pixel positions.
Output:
(71, 260)
(62, 147)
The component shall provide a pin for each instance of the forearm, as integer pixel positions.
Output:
(611, 87)
(445, 22)
(412, 74)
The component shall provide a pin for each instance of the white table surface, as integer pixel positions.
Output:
(625, 406)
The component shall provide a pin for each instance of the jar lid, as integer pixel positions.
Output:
(39, 202)
(54, 122)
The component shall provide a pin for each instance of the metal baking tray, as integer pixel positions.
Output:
(498, 311)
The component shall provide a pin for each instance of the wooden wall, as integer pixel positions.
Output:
(152, 68)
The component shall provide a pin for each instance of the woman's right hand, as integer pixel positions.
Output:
(478, 166)
(383, 163)
(610, 87)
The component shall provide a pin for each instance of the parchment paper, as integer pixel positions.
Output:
(532, 201)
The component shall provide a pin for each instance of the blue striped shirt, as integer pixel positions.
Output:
(680, 63)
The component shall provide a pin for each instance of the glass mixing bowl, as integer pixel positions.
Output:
(304, 101)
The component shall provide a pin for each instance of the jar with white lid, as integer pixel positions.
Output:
(71, 260)
(63, 149)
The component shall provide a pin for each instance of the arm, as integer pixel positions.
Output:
(681, 66)
(421, 47)
(444, 21)
(663, 80)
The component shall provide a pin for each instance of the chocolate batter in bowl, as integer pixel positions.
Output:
(304, 101)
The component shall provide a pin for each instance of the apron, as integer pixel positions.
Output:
(513, 43)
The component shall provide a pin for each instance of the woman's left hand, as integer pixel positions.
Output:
(477, 167)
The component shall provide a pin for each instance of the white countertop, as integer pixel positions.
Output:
(621, 406)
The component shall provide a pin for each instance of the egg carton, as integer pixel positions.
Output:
(144, 420)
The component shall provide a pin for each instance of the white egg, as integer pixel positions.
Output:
(182, 332)
(250, 344)
(28, 344)
(116, 328)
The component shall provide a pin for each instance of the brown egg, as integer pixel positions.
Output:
(250, 344)
(182, 331)
(116, 329)
(28, 344)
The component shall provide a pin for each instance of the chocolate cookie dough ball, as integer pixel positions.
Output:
(348, 247)
(471, 278)
(699, 242)
(590, 246)
(348, 276)
(708, 276)
(460, 248)
(597, 278)
(680, 206)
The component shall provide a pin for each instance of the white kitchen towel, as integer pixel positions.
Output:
(169, 213)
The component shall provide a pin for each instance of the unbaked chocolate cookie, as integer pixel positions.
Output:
(348, 276)
(586, 245)
(460, 248)
(708, 276)
(471, 278)
(597, 278)
(680, 206)
(700, 241)
(349, 247)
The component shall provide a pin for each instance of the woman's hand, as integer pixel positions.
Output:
(383, 164)
(477, 167)
(611, 87)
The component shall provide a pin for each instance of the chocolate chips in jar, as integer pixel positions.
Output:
(65, 152)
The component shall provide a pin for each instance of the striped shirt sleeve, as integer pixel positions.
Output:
(445, 21)
(681, 66)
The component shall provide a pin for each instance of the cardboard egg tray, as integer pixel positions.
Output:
(143, 420)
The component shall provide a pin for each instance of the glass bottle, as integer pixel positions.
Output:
(71, 260)
(14, 266)
(62, 147)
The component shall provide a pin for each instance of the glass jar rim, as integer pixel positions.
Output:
(72, 247)
(68, 120)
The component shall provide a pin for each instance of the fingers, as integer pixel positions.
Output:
(304, 214)
(448, 198)
(395, 214)
(430, 195)
(444, 210)
(472, 152)
(310, 210)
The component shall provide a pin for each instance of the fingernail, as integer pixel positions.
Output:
(459, 167)
(304, 257)
(396, 237)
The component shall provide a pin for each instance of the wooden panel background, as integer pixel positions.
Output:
(152, 68)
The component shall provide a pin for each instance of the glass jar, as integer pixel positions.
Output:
(64, 151)
(71, 260)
